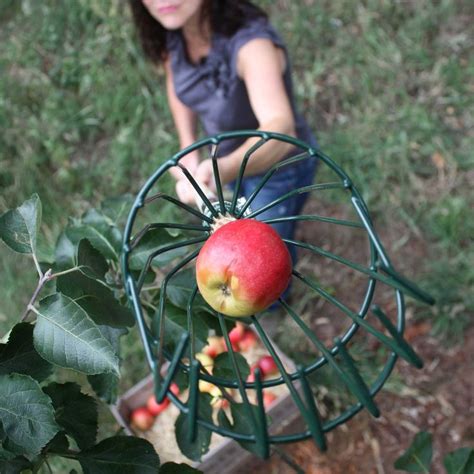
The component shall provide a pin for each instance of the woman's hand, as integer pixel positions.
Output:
(190, 162)
(205, 173)
(186, 193)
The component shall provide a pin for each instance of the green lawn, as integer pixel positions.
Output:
(387, 86)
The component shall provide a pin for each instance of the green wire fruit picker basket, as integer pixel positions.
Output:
(162, 262)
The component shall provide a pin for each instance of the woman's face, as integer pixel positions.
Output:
(173, 14)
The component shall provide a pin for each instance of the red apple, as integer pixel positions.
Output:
(174, 389)
(215, 346)
(251, 377)
(156, 408)
(267, 365)
(236, 334)
(141, 419)
(248, 341)
(243, 268)
(268, 398)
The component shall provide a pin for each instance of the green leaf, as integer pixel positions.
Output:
(65, 335)
(5, 455)
(176, 323)
(26, 414)
(95, 298)
(20, 356)
(180, 289)
(417, 458)
(64, 253)
(223, 366)
(92, 262)
(460, 461)
(243, 423)
(153, 240)
(117, 208)
(76, 412)
(174, 468)
(15, 466)
(59, 444)
(106, 385)
(19, 227)
(119, 455)
(100, 231)
(195, 449)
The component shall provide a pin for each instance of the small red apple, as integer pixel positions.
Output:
(236, 334)
(248, 340)
(174, 389)
(215, 346)
(141, 419)
(243, 267)
(156, 408)
(251, 376)
(267, 365)
(268, 398)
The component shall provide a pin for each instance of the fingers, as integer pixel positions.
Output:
(205, 175)
(186, 193)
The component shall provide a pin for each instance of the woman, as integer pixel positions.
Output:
(227, 67)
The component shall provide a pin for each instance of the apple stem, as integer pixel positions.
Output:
(221, 221)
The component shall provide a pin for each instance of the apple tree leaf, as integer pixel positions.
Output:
(19, 227)
(76, 412)
(15, 465)
(176, 323)
(243, 423)
(180, 290)
(19, 355)
(117, 208)
(460, 461)
(102, 233)
(156, 239)
(65, 253)
(175, 468)
(223, 366)
(95, 298)
(26, 414)
(65, 335)
(119, 455)
(417, 458)
(195, 449)
(59, 444)
(92, 262)
(106, 385)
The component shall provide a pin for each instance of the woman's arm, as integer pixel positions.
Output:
(260, 64)
(185, 122)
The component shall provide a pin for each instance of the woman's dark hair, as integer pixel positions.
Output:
(226, 17)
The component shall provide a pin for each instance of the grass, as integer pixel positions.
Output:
(387, 86)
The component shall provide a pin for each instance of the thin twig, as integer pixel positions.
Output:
(44, 278)
(37, 265)
(42, 281)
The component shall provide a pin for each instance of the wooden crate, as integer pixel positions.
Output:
(228, 457)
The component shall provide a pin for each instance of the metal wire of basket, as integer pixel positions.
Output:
(379, 271)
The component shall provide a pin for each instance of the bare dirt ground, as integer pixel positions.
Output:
(438, 398)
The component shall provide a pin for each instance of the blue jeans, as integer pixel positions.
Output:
(283, 181)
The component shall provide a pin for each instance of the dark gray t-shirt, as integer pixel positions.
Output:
(213, 89)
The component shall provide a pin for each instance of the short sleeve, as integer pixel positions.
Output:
(253, 29)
